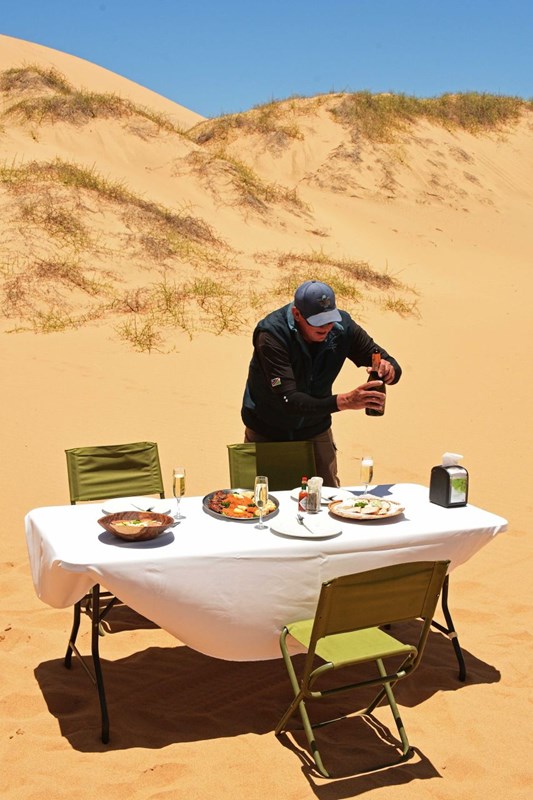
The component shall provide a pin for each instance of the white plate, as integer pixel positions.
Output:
(136, 504)
(319, 527)
(329, 493)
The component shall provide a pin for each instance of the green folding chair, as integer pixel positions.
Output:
(99, 473)
(283, 463)
(346, 630)
(119, 470)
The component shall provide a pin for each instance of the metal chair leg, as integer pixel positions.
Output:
(449, 630)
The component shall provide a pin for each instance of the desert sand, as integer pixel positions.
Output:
(448, 214)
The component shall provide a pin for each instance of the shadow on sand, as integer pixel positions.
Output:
(166, 695)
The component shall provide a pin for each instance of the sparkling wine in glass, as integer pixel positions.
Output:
(367, 471)
(261, 498)
(178, 487)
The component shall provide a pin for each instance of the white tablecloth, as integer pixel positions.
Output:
(225, 588)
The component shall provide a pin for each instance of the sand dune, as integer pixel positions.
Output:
(445, 213)
(85, 75)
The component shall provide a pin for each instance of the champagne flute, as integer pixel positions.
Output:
(178, 487)
(261, 498)
(367, 471)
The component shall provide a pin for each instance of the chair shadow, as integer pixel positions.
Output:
(163, 695)
(353, 766)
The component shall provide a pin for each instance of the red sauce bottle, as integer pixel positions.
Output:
(302, 497)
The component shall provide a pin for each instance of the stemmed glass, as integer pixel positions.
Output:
(178, 487)
(367, 471)
(261, 498)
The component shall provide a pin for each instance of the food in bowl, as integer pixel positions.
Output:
(128, 525)
(136, 525)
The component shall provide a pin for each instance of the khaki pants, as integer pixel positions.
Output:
(325, 454)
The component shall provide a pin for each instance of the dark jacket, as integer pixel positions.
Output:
(288, 393)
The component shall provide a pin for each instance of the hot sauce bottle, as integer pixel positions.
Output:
(302, 497)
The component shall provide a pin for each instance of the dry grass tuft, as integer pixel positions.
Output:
(354, 282)
(352, 270)
(268, 119)
(21, 178)
(379, 117)
(61, 102)
(200, 304)
(33, 78)
(251, 190)
(57, 220)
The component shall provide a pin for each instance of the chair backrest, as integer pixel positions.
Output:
(283, 463)
(119, 470)
(377, 597)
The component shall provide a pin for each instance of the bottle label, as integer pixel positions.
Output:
(302, 502)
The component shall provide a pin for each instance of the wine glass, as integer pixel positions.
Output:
(261, 498)
(178, 487)
(367, 471)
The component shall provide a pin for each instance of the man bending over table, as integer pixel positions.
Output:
(299, 350)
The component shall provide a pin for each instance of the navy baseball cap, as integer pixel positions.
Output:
(316, 302)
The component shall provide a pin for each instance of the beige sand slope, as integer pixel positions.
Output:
(85, 75)
(250, 207)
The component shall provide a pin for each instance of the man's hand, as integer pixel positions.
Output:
(364, 396)
(386, 371)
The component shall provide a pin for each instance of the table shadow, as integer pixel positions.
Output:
(163, 695)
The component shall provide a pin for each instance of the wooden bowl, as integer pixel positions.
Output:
(114, 523)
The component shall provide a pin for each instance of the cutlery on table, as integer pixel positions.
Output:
(301, 521)
(142, 509)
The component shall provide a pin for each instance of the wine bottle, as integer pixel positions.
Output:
(374, 376)
(302, 497)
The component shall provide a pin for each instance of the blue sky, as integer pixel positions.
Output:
(227, 56)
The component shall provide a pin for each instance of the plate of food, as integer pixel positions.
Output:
(136, 526)
(366, 507)
(237, 505)
(328, 494)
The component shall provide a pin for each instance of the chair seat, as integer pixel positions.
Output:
(338, 649)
